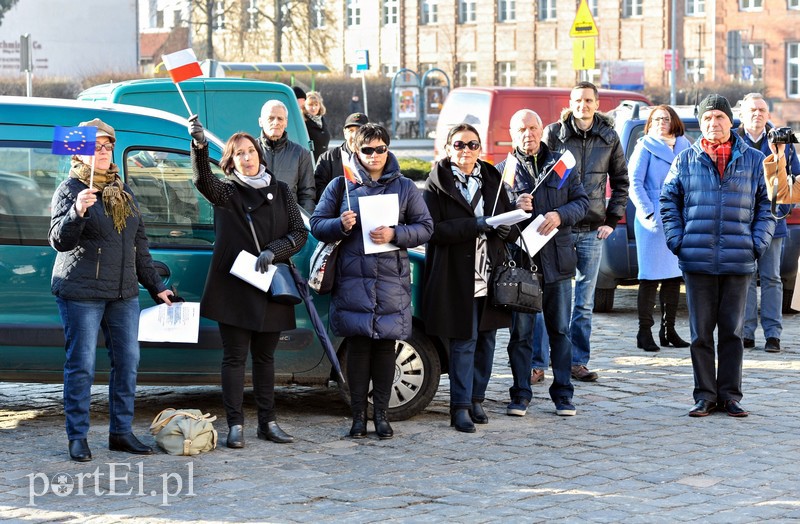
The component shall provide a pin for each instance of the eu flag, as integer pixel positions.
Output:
(74, 140)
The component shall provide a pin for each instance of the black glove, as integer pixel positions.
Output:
(197, 131)
(264, 260)
(483, 227)
(503, 231)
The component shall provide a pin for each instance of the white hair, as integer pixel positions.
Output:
(522, 113)
(267, 107)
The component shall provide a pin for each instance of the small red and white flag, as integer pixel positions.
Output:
(564, 167)
(350, 171)
(182, 65)
(510, 170)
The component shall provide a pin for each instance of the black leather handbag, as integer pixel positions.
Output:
(517, 287)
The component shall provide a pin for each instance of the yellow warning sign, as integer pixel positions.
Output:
(583, 54)
(584, 22)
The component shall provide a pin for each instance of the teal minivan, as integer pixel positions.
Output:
(180, 230)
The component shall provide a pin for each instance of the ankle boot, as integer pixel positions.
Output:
(477, 413)
(667, 334)
(644, 340)
(359, 427)
(272, 431)
(382, 426)
(459, 418)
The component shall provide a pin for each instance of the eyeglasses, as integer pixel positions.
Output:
(370, 150)
(108, 147)
(473, 145)
(664, 119)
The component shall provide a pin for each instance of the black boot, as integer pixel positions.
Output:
(235, 437)
(129, 443)
(272, 431)
(359, 427)
(79, 450)
(477, 414)
(644, 340)
(459, 418)
(670, 294)
(382, 426)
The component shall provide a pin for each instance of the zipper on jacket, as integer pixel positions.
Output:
(97, 269)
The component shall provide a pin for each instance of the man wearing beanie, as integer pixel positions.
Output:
(329, 164)
(717, 221)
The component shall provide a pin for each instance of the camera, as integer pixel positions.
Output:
(782, 135)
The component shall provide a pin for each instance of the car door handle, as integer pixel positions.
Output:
(162, 269)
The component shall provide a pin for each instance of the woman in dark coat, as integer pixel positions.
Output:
(371, 297)
(314, 114)
(251, 206)
(460, 193)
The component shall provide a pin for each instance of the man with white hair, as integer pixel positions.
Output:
(287, 160)
(561, 207)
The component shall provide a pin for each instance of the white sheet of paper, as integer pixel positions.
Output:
(376, 211)
(179, 322)
(533, 239)
(244, 267)
(508, 218)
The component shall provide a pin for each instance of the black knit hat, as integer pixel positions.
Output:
(718, 102)
(298, 92)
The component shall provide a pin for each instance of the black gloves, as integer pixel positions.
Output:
(503, 231)
(264, 260)
(483, 227)
(196, 130)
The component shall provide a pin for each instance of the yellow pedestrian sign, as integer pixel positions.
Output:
(583, 54)
(584, 22)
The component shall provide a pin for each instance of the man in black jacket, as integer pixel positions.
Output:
(329, 164)
(591, 138)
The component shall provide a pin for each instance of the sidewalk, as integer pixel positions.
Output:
(630, 455)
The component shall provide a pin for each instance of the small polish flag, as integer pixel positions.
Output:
(182, 65)
(510, 170)
(564, 167)
(350, 170)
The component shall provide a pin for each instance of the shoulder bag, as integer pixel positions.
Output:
(517, 288)
(322, 268)
(184, 431)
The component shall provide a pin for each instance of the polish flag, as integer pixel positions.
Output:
(564, 167)
(182, 65)
(350, 171)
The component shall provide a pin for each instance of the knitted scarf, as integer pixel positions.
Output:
(117, 203)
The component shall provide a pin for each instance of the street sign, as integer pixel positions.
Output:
(583, 25)
(583, 53)
(362, 60)
(668, 60)
(747, 72)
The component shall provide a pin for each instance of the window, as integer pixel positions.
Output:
(695, 7)
(177, 18)
(506, 74)
(506, 10)
(466, 11)
(547, 10)
(389, 70)
(353, 13)
(390, 12)
(793, 69)
(793, 4)
(430, 12)
(631, 8)
(695, 70)
(757, 61)
(159, 18)
(546, 73)
(317, 19)
(426, 66)
(593, 7)
(751, 5)
(251, 15)
(219, 16)
(467, 76)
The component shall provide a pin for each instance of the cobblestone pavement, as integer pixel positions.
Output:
(631, 454)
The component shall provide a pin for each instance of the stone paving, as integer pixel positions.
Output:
(631, 454)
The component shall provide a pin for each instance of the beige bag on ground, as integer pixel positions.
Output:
(796, 296)
(184, 431)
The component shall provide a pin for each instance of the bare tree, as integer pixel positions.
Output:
(208, 14)
(5, 6)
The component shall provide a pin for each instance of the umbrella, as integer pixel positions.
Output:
(319, 327)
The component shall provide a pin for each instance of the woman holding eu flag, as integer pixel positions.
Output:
(103, 255)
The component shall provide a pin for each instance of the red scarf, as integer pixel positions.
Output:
(719, 153)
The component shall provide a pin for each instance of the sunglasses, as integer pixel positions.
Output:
(370, 150)
(108, 147)
(473, 145)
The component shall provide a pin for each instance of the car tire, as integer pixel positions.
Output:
(416, 378)
(603, 300)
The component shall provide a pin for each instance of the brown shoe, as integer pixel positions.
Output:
(537, 376)
(584, 375)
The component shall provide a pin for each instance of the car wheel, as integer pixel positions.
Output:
(416, 376)
(603, 300)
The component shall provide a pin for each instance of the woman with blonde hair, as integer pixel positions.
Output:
(314, 114)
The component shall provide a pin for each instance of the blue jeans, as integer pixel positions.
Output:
(471, 363)
(541, 344)
(589, 249)
(119, 320)
(769, 270)
(556, 300)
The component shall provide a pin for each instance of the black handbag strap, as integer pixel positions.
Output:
(523, 249)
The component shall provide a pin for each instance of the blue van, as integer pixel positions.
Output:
(180, 230)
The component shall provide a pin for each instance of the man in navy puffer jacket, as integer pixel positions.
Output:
(717, 220)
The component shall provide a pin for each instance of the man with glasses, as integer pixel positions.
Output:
(754, 115)
(289, 161)
(590, 137)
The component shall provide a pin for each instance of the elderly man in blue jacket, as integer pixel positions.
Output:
(717, 221)
(562, 206)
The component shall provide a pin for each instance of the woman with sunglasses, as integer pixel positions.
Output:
(371, 296)
(103, 256)
(461, 192)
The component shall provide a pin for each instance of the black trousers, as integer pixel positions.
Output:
(237, 343)
(370, 359)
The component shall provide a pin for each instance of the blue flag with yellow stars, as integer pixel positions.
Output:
(74, 140)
